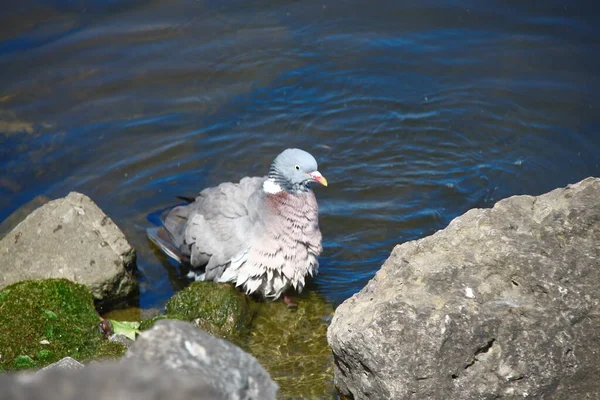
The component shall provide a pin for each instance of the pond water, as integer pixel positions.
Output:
(416, 110)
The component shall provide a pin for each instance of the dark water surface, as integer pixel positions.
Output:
(416, 110)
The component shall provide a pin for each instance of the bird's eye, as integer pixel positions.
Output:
(297, 167)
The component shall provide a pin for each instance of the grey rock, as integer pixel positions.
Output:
(173, 360)
(64, 363)
(106, 381)
(21, 213)
(182, 346)
(124, 340)
(70, 238)
(503, 303)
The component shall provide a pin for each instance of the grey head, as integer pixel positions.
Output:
(294, 170)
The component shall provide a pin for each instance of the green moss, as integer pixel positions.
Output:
(149, 323)
(218, 308)
(292, 346)
(44, 321)
(110, 350)
(44, 356)
(23, 362)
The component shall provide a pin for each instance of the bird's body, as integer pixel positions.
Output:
(262, 233)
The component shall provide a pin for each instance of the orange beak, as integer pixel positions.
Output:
(318, 178)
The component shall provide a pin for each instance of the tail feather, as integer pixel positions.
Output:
(160, 237)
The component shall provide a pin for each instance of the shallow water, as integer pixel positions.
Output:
(416, 111)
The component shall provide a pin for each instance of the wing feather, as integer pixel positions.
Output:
(215, 227)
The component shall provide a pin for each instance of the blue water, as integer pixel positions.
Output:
(417, 111)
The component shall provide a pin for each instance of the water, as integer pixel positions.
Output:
(416, 110)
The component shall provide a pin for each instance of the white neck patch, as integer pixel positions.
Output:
(271, 187)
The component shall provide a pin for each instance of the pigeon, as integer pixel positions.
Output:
(262, 233)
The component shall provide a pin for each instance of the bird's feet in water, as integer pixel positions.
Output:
(289, 302)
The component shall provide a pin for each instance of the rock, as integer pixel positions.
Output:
(65, 363)
(122, 339)
(70, 238)
(181, 346)
(107, 381)
(503, 303)
(292, 346)
(21, 213)
(44, 321)
(132, 313)
(218, 308)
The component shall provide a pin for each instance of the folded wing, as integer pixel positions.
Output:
(215, 227)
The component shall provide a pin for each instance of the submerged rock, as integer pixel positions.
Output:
(292, 346)
(132, 313)
(70, 238)
(183, 347)
(11, 125)
(504, 302)
(44, 321)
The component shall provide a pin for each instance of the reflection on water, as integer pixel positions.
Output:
(416, 111)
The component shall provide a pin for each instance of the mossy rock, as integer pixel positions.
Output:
(292, 346)
(218, 308)
(146, 324)
(46, 320)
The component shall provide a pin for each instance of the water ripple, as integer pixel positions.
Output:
(416, 112)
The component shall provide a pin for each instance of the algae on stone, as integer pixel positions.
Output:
(131, 313)
(292, 346)
(146, 324)
(46, 320)
(219, 309)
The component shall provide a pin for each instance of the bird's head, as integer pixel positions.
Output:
(294, 170)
